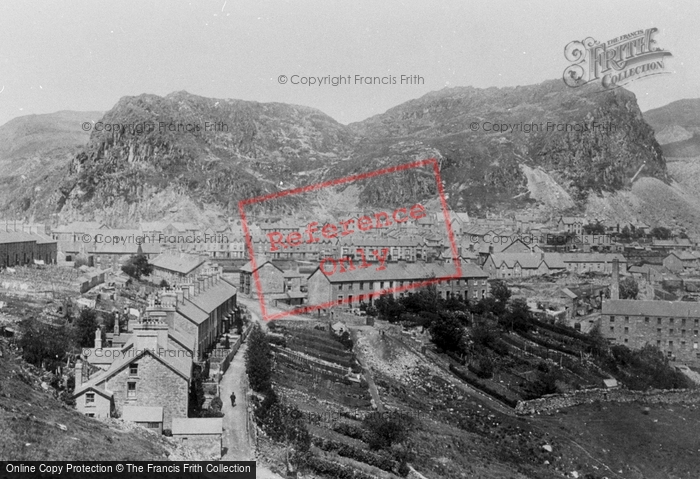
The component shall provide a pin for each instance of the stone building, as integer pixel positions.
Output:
(201, 310)
(151, 370)
(271, 278)
(177, 267)
(18, 249)
(522, 265)
(353, 286)
(672, 326)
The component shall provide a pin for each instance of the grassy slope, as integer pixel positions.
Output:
(29, 418)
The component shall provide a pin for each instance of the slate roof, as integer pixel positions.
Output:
(633, 307)
(212, 297)
(199, 425)
(17, 237)
(142, 414)
(182, 264)
(123, 248)
(248, 267)
(78, 227)
(402, 272)
(180, 364)
(528, 260)
(592, 257)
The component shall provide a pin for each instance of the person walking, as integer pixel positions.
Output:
(233, 399)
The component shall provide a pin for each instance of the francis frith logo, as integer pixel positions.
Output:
(616, 62)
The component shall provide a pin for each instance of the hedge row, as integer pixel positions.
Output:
(483, 387)
(548, 344)
(565, 331)
(334, 470)
(350, 430)
(321, 347)
(331, 358)
(352, 452)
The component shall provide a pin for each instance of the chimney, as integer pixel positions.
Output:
(78, 373)
(541, 255)
(98, 338)
(180, 295)
(615, 286)
(116, 324)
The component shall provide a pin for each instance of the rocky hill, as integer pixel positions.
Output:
(178, 153)
(677, 127)
(34, 151)
(487, 169)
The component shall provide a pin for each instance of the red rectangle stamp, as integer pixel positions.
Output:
(353, 260)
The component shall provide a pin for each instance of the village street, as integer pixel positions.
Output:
(236, 438)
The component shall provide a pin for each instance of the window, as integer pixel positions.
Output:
(340, 287)
(130, 390)
(658, 342)
(683, 332)
(90, 414)
(153, 425)
(627, 319)
(612, 319)
(658, 330)
(381, 285)
(658, 320)
(670, 331)
(349, 285)
(612, 329)
(646, 319)
(696, 322)
(683, 321)
(625, 340)
(134, 369)
(89, 398)
(371, 285)
(695, 333)
(670, 344)
(627, 330)
(670, 320)
(682, 344)
(362, 285)
(350, 299)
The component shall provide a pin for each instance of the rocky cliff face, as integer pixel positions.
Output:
(498, 149)
(584, 139)
(677, 127)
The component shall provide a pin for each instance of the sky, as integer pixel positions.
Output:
(86, 55)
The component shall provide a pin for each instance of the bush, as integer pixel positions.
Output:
(377, 460)
(349, 430)
(216, 404)
(386, 429)
(167, 432)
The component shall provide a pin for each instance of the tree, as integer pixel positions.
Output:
(659, 232)
(43, 344)
(500, 291)
(629, 288)
(137, 266)
(258, 361)
(196, 392)
(518, 317)
(446, 331)
(388, 308)
(164, 284)
(596, 228)
(384, 430)
(85, 327)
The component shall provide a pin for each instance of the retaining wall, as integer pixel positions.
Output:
(553, 402)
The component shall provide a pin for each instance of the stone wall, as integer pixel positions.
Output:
(553, 402)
